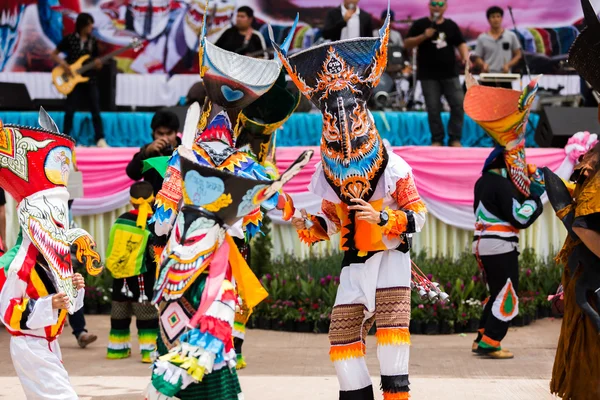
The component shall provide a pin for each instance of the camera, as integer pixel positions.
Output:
(167, 150)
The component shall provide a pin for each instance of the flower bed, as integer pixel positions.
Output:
(302, 293)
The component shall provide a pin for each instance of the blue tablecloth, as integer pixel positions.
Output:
(132, 129)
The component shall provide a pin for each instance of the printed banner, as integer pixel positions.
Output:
(169, 29)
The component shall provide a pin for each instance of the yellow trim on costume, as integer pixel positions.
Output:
(392, 336)
(17, 314)
(144, 208)
(248, 286)
(223, 201)
(347, 351)
(62, 314)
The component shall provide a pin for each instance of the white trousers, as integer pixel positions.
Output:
(39, 367)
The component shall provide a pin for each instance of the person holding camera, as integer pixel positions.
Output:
(347, 22)
(165, 125)
(497, 50)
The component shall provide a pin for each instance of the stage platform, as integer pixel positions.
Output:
(132, 129)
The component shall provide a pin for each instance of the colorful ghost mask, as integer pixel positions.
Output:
(339, 78)
(35, 164)
(503, 114)
(213, 200)
(220, 12)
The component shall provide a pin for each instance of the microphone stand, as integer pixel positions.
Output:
(524, 56)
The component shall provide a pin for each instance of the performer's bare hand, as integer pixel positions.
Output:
(349, 14)
(485, 68)
(429, 32)
(97, 63)
(60, 301)
(78, 281)
(506, 68)
(157, 146)
(300, 223)
(365, 211)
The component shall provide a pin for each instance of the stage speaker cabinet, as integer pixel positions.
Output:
(558, 124)
(15, 97)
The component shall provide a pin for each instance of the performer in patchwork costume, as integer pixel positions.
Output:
(507, 199)
(370, 197)
(255, 134)
(198, 363)
(40, 286)
(201, 276)
(130, 259)
(576, 372)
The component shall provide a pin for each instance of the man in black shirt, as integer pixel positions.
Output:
(74, 46)
(241, 38)
(165, 125)
(348, 22)
(436, 39)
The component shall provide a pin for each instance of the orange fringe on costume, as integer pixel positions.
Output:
(392, 336)
(396, 396)
(315, 234)
(347, 351)
(396, 224)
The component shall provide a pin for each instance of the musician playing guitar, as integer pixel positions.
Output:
(74, 46)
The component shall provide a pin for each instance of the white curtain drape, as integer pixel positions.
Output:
(546, 235)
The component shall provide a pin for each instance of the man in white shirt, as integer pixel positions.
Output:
(347, 22)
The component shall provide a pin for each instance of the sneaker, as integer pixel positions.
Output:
(501, 355)
(102, 143)
(455, 143)
(86, 338)
(474, 347)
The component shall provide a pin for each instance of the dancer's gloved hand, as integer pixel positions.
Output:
(365, 211)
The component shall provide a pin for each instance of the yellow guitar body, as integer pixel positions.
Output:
(65, 83)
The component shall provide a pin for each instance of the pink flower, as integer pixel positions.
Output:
(323, 282)
(430, 277)
(475, 278)
(464, 315)
(421, 306)
(528, 273)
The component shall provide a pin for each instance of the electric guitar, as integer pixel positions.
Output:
(65, 83)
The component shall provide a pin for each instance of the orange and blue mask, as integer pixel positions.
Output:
(339, 78)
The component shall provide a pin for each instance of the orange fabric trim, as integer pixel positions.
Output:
(396, 224)
(329, 209)
(482, 330)
(497, 228)
(406, 193)
(347, 351)
(392, 336)
(490, 342)
(416, 207)
(396, 396)
(367, 236)
(315, 234)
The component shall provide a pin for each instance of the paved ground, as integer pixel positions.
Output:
(295, 366)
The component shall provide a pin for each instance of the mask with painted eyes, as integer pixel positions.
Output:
(339, 78)
(35, 170)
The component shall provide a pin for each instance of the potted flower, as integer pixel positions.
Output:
(474, 311)
(462, 318)
(416, 320)
(430, 320)
(446, 316)
(290, 315)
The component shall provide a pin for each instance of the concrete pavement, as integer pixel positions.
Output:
(296, 366)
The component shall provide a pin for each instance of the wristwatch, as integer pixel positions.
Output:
(384, 217)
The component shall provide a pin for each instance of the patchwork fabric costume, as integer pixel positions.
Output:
(35, 170)
(219, 186)
(576, 372)
(130, 259)
(201, 277)
(507, 199)
(375, 280)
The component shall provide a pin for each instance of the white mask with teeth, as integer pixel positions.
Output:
(150, 18)
(44, 219)
(10, 16)
(221, 12)
(187, 251)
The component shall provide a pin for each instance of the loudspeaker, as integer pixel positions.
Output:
(15, 97)
(558, 124)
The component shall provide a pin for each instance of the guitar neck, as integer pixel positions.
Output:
(103, 59)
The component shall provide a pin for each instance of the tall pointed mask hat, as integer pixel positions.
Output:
(503, 114)
(339, 78)
(34, 170)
